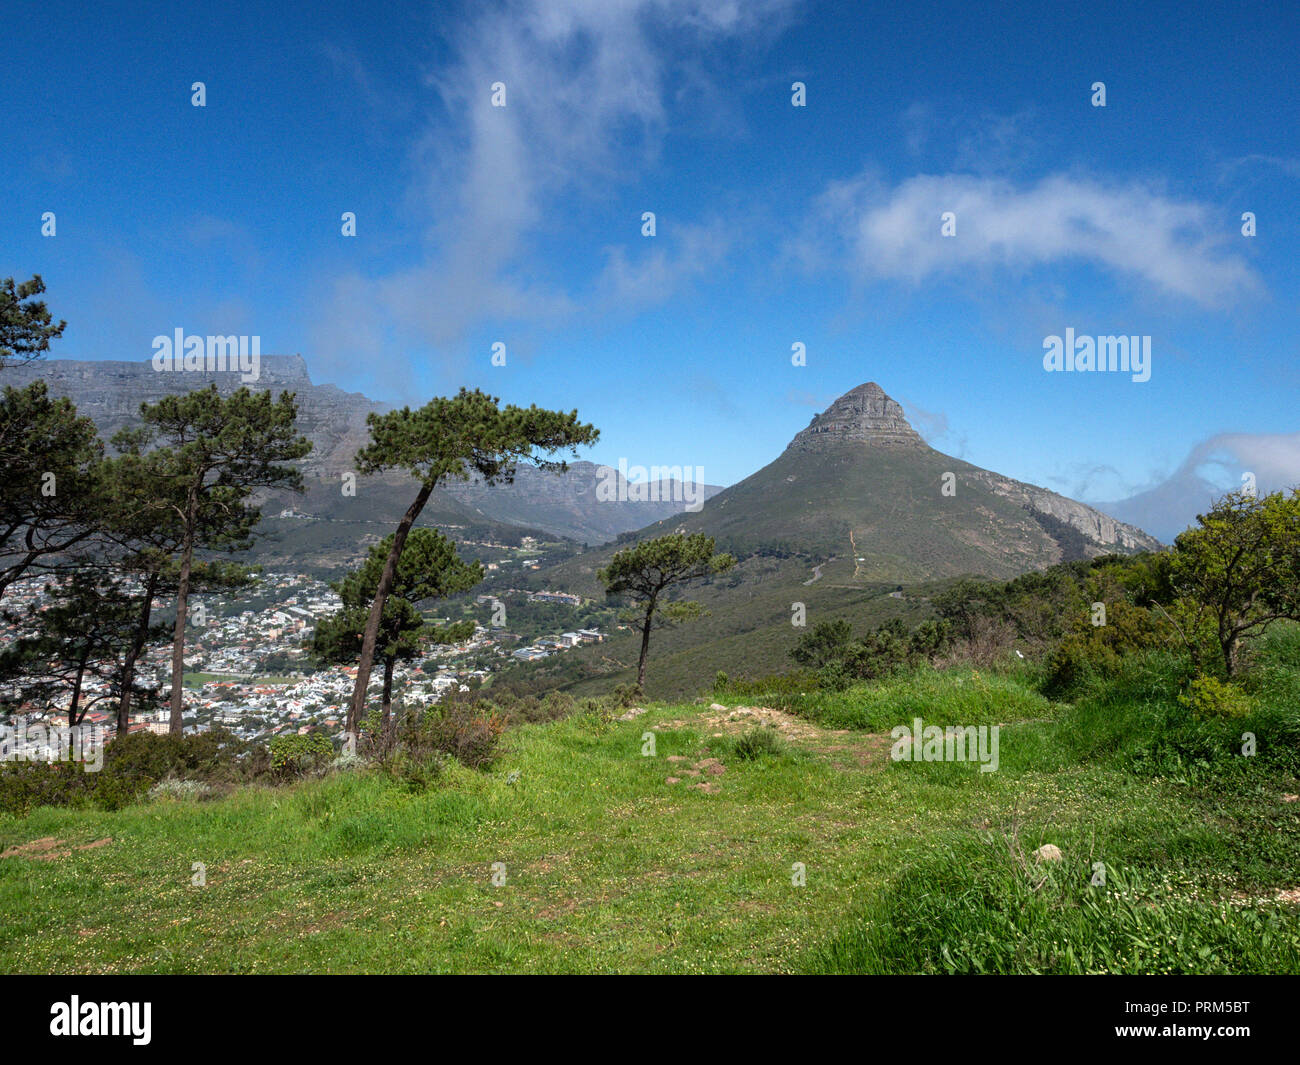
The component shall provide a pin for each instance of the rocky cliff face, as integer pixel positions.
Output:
(1101, 528)
(110, 393)
(865, 416)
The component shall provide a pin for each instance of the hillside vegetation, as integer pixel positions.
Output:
(607, 866)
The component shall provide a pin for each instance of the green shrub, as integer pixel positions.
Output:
(625, 696)
(762, 741)
(297, 755)
(1089, 651)
(27, 785)
(1211, 698)
(1072, 662)
(132, 765)
(417, 773)
(595, 715)
(512, 707)
(463, 730)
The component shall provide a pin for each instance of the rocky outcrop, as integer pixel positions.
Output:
(1100, 528)
(110, 393)
(865, 415)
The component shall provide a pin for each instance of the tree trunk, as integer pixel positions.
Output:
(386, 703)
(645, 647)
(73, 720)
(371, 637)
(1229, 645)
(182, 609)
(133, 654)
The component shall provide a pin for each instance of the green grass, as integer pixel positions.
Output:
(966, 697)
(197, 680)
(909, 866)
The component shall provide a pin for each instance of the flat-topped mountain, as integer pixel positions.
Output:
(110, 394)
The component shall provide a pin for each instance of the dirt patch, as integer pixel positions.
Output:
(872, 750)
(558, 910)
(328, 923)
(846, 749)
(48, 848)
(742, 718)
(547, 864)
(704, 767)
(35, 848)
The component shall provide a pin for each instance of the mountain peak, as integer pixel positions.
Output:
(864, 415)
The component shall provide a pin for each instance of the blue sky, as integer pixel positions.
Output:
(775, 224)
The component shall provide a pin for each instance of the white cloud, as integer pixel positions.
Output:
(586, 82)
(629, 284)
(1130, 230)
(1212, 468)
(1274, 458)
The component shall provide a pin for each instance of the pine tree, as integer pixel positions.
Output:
(448, 438)
(209, 454)
(646, 572)
(429, 569)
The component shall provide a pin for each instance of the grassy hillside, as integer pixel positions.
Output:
(682, 862)
(747, 632)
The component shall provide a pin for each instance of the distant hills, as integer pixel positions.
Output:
(555, 505)
(857, 493)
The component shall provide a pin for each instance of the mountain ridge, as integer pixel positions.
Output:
(110, 392)
(860, 480)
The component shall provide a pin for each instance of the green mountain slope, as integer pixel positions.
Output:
(855, 507)
(859, 483)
